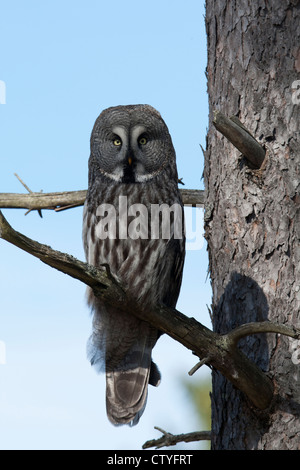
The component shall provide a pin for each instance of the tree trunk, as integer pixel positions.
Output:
(253, 215)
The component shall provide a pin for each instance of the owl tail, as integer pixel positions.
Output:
(127, 385)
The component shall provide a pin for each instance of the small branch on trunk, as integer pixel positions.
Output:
(240, 137)
(254, 328)
(169, 439)
(68, 199)
(220, 349)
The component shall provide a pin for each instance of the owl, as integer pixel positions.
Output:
(133, 224)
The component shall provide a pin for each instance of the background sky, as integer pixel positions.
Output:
(63, 63)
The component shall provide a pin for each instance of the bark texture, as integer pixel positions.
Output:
(253, 216)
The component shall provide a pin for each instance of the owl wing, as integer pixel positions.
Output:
(174, 261)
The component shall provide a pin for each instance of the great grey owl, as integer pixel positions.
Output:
(132, 168)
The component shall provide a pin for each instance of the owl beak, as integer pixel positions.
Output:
(129, 160)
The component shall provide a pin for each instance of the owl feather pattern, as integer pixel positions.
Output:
(132, 160)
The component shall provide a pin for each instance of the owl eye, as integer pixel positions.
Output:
(142, 140)
(117, 142)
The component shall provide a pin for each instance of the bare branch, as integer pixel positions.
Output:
(169, 439)
(29, 190)
(97, 279)
(199, 364)
(240, 137)
(42, 200)
(192, 197)
(68, 199)
(220, 349)
(254, 328)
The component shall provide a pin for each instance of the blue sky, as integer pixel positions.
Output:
(63, 63)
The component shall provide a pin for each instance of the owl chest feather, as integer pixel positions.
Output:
(140, 262)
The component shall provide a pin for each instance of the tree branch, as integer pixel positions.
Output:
(220, 349)
(42, 200)
(254, 328)
(240, 137)
(67, 199)
(169, 439)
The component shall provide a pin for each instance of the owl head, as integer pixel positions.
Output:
(131, 144)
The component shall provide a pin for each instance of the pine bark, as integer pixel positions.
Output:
(252, 216)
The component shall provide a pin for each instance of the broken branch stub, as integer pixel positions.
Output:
(240, 137)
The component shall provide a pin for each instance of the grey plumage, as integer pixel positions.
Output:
(132, 157)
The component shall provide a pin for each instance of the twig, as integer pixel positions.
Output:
(22, 182)
(63, 208)
(30, 192)
(199, 364)
(221, 349)
(169, 439)
(65, 200)
(240, 137)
